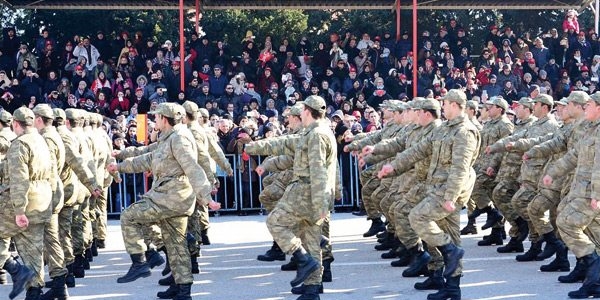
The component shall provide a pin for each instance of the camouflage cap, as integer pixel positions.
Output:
(473, 105)
(190, 107)
(595, 97)
(169, 110)
(455, 95)
(544, 99)
(563, 101)
(44, 110)
(99, 118)
(5, 116)
(580, 97)
(73, 114)
(498, 101)
(24, 114)
(384, 104)
(204, 113)
(315, 102)
(86, 115)
(526, 102)
(59, 113)
(430, 104)
(396, 105)
(414, 104)
(295, 110)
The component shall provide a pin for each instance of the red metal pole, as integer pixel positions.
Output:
(181, 46)
(415, 33)
(197, 16)
(398, 20)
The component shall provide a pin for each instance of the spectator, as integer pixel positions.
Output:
(87, 50)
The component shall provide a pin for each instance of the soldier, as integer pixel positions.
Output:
(25, 204)
(577, 218)
(453, 149)
(6, 137)
(178, 183)
(497, 127)
(472, 110)
(307, 200)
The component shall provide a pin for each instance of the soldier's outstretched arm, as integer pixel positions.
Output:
(565, 164)
(547, 146)
(136, 164)
(278, 163)
(406, 159)
(135, 151)
(523, 145)
(283, 145)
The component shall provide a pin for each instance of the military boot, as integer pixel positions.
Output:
(513, 246)
(70, 279)
(101, 244)
(523, 229)
(395, 252)
(184, 292)
(78, 266)
(418, 266)
(495, 238)
(591, 286)
(532, 253)
(553, 245)
(311, 292)
(20, 275)
(273, 254)
(470, 228)
(435, 281)
(451, 290)
(153, 258)
(57, 291)
(167, 281)
(299, 290)
(88, 255)
(94, 247)
(559, 264)
(577, 275)
(377, 226)
(167, 268)
(391, 242)
(291, 266)
(204, 237)
(195, 267)
(327, 276)
(139, 269)
(381, 235)
(3, 279)
(452, 256)
(306, 265)
(493, 217)
(33, 293)
(170, 293)
(404, 259)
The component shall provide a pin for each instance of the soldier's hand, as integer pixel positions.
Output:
(115, 153)
(547, 180)
(361, 163)
(97, 192)
(488, 150)
(525, 156)
(214, 205)
(112, 168)
(118, 180)
(21, 221)
(367, 150)
(386, 170)
(346, 149)
(229, 173)
(594, 204)
(354, 153)
(490, 172)
(449, 206)
(260, 170)
(349, 138)
(510, 145)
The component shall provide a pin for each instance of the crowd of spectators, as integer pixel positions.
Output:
(121, 75)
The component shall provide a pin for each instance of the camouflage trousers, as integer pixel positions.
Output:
(482, 192)
(378, 196)
(81, 229)
(579, 226)
(144, 214)
(29, 242)
(198, 221)
(502, 195)
(327, 251)
(65, 219)
(272, 191)
(394, 194)
(98, 213)
(53, 251)
(435, 225)
(369, 183)
(545, 200)
(520, 201)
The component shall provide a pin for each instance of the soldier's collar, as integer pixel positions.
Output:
(457, 120)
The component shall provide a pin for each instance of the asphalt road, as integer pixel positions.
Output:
(230, 271)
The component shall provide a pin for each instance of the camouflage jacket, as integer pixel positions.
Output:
(76, 166)
(492, 131)
(178, 179)
(102, 137)
(57, 155)
(510, 168)
(453, 148)
(87, 150)
(6, 137)
(315, 156)
(204, 159)
(216, 153)
(388, 148)
(476, 123)
(580, 158)
(28, 167)
(388, 131)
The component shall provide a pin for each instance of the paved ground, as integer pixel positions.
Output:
(230, 271)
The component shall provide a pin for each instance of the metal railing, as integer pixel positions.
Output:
(237, 193)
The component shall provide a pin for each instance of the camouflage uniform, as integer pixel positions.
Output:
(308, 198)
(26, 174)
(178, 183)
(6, 135)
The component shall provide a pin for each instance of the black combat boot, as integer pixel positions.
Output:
(291, 266)
(70, 279)
(495, 238)
(306, 265)
(327, 276)
(523, 229)
(395, 252)
(153, 258)
(3, 279)
(418, 265)
(184, 293)
(470, 228)
(381, 235)
(167, 268)
(273, 254)
(299, 290)
(311, 292)
(435, 281)
(532, 253)
(553, 245)
(577, 275)
(591, 286)
(451, 290)
(392, 242)
(195, 267)
(139, 269)
(170, 293)
(78, 266)
(560, 263)
(404, 259)
(377, 226)
(204, 237)
(167, 281)
(101, 244)
(88, 255)
(94, 247)
(33, 293)
(58, 290)
(20, 275)
(452, 256)
(513, 245)
(493, 217)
